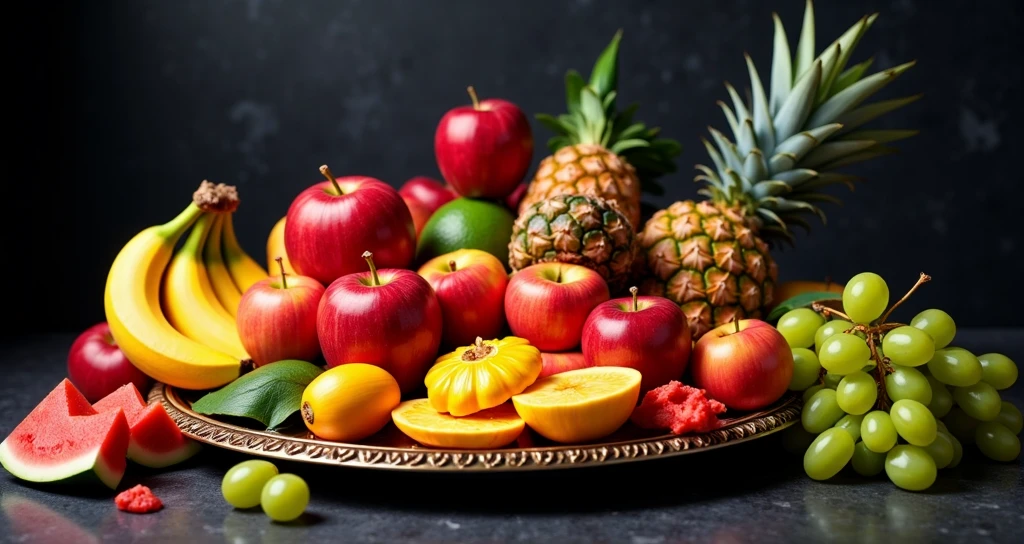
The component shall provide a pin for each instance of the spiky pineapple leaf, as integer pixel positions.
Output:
(867, 154)
(829, 59)
(833, 151)
(797, 107)
(772, 187)
(879, 136)
(865, 114)
(763, 129)
(848, 42)
(554, 124)
(782, 69)
(850, 76)
(605, 76)
(853, 95)
(574, 84)
(805, 46)
(623, 145)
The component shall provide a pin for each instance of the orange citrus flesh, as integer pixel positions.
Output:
(487, 429)
(580, 405)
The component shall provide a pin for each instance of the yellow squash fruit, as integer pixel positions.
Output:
(349, 402)
(481, 376)
(487, 429)
(580, 405)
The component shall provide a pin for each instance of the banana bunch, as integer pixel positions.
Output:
(173, 312)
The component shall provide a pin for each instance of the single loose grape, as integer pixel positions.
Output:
(958, 453)
(243, 482)
(961, 425)
(981, 401)
(908, 346)
(994, 440)
(865, 297)
(866, 462)
(806, 369)
(937, 324)
(821, 412)
(810, 391)
(799, 326)
(844, 353)
(851, 424)
(942, 399)
(857, 393)
(795, 439)
(828, 330)
(913, 422)
(908, 383)
(910, 468)
(832, 380)
(955, 366)
(878, 432)
(997, 370)
(285, 497)
(1010, 417)
(828, 454)
(941, 450)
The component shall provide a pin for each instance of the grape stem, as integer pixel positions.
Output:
(829, 312)
(923, 279)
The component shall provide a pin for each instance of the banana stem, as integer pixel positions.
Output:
(330, 177)
(373, 268)
(284, 277)
(473, 97)
(634, 291)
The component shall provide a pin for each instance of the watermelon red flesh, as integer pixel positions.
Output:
(64, 438)
(156, 441)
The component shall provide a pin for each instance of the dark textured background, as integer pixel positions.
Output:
(123, 110)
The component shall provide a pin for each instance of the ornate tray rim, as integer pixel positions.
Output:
(277, 446)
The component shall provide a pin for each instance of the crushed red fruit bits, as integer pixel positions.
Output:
(138, 500)
(679, 408)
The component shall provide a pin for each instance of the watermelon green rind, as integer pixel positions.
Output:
(156, 441)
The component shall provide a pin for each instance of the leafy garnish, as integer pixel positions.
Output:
(803, 300)
(268, 394)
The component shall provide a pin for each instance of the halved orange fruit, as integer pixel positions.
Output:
(580, 405)
(487, 429)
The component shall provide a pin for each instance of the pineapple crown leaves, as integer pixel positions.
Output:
(789, 141)
(593, 118)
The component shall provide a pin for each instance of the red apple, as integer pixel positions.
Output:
(420, 214)
(97, 366)
(649, 334)
(277, 318)
(548, 303)
(330, 224)
(484, 150)
(556, 363)
(745, 365)
(428, 192)
(388, 317)
(512, 200)
(470, 286)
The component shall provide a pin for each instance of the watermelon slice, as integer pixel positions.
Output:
(64, 439)
(156, 441)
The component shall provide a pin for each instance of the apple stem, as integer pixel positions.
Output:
(451, 265)
(634, 291)
(736, 322)
(473, 97)
(284, 277)
(373, 268)
(330, 177)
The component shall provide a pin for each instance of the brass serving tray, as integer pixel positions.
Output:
(390, 449)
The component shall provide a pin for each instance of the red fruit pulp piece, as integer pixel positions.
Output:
(679, 408)
(138, 500)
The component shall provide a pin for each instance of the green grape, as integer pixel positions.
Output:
(942, 399)
(955, 366)
(994, 440)
(799, 326)
(981, 401)
(285, 497)
(913, 422)
(865, 297)
(1010, 417)
(806, 369)
(940, 426)
(908, 346)
(828, 330)
(878, 432)
(243, 482)
(869, 367)
(958, 452)
(844, 353)
(828, 454)
(866, 462)
(937, 324)
(997, 370)
(857, 393)
(832, 380)
(796, 440)
(961, 425)
(821, 412)
(810, 391)
(941, 450)
(908, 383)
(851, 424)
(910, 468)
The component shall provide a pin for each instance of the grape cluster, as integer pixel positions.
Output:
(892, 397)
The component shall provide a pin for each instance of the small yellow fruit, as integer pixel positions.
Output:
(481, 376)
(275, 248)
(580, 405)
(487, 429)
(349, 402)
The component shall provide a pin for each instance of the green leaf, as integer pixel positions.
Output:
(805, 46)
(803, 300)
(865, 114)
(268, 394)
(782, 68)
(593, 116)
(850, 76)
(574, 84)
(623, 145)
(879, 136)
(853, 95)
(832, 151)
(605, 76)
(553, 123)
(797, 107)
(763, 129)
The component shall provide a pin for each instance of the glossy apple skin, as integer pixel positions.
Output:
(275, 247)
(277, 323)
(428, 192)
(744, 370)
(484, 151)
(556, 363)
(654, 339)
(472, 298)
(548, 303)
(97, 366)
(395, 325)
(420, 215)
(512, 201)
(326, 234)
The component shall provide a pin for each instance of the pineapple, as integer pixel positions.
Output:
(712, 257)
(598, 151)
(575, 229)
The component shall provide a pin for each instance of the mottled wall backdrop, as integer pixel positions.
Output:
(126, 106)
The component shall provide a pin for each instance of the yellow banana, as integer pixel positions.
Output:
(243, 268)
(131, 301)
(189, 300)
(224, 287)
